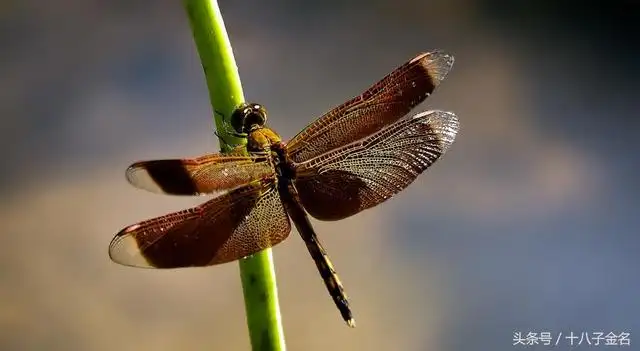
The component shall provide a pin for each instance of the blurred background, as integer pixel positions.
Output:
(529, 223)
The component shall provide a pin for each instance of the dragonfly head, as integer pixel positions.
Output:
(248, 117)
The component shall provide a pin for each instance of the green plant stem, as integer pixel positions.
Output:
(225, 92)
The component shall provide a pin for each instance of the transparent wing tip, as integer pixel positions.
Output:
(437, 63)
(124, 249)
(443, 124)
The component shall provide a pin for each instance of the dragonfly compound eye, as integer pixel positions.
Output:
(248, 117)
(255, 116)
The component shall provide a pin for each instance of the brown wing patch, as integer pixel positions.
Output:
(229, 227)
(364, 174)
(203, 175)
(381, 105)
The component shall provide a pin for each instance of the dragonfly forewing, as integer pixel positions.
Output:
(209, 174)
(382, 104)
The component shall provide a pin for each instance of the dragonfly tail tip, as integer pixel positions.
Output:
(351, 322)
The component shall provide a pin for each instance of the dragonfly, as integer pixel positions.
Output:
(354, 157)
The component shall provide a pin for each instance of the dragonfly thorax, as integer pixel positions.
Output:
(261, 139)
(284, 166)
